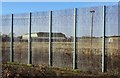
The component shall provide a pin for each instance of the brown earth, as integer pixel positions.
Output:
(15, 70)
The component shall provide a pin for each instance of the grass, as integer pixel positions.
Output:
(59, 46)
(12, 69)
(62, 53)
(47, 71)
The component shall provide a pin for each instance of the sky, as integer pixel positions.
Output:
(23, 7)
(59, 0)
(26, 7)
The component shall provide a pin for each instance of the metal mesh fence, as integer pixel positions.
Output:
(89, 35)
(118, 35)
(89, 38)
(62, 37)
(40, 37)
(20, 29)
(0, 45)
(6, 23)
(112, 39)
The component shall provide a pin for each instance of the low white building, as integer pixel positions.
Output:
(44, 35)
(25, 36)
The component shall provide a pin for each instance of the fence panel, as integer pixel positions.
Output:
(89, 38)
(40, 37)
(20, 29)
(6, 24)
(0, 39)
(112, 39)
(62, 37)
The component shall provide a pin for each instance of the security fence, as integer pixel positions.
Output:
(83, 38)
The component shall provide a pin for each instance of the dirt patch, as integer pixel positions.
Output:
(14, 70)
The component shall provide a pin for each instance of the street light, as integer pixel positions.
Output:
(92, 13)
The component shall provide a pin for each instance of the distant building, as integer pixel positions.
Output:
(44, 36)
(113, 39)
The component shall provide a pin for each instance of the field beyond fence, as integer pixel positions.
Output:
(81, 38)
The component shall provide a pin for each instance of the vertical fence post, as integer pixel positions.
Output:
(74, 52)
(103, 40)
(11, 41)
(91, 31)
(50, 38)
(29, 41)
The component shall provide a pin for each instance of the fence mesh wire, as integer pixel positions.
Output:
(40, 37)
(6, 23)
(20, 28)
(0, 41)
(118, 38)
(112, 39)
(62, 37)
(89, 46)
(0, 45)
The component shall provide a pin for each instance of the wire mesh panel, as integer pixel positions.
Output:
(118, 35)
(20, 29)
(89, 34)
(40, 37)
(89, 38)
(0, 39)
(112, 39)
(6, 24)
(62, 37)
(0, 45)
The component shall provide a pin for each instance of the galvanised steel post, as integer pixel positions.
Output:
(103, 40)
(74, 52)
(11, 42)
(92, 11)
(50, 38)
(29, 42)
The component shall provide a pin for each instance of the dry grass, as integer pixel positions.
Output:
(15, 70)
(66, 47)
(62, 54)
(62, 47)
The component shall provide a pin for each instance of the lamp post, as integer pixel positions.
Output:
(92, 13)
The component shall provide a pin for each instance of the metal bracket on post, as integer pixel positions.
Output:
(103, 40)
(29, 42)
(74, 52)
(11, 42)
(50, 38)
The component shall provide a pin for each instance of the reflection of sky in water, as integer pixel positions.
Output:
(63, 21)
